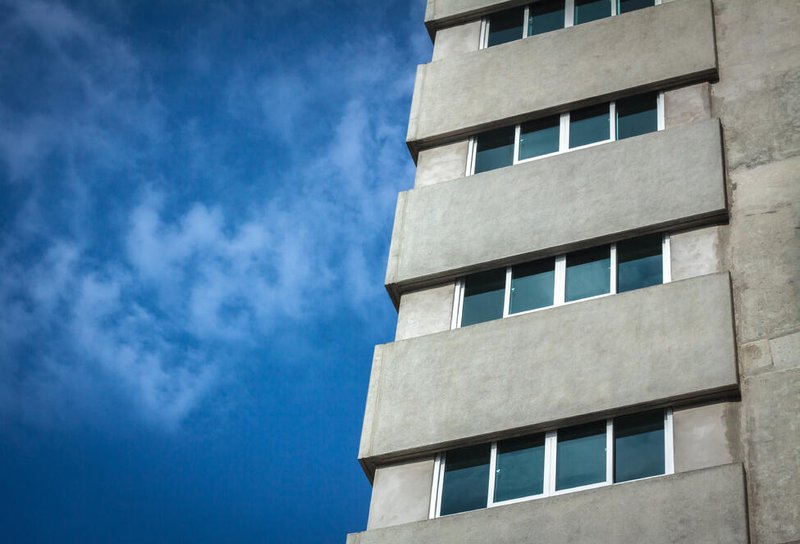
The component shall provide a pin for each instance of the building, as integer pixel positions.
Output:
(596, 275)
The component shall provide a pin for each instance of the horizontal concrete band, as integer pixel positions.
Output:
(664, 179)
(642, 348)
(669, 44)
(705, 505)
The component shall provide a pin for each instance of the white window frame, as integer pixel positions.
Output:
(563, 132)
(550, 461)
(560, 283)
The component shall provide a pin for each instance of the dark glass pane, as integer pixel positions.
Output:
(539, 137)
(532, 285)
(632, 5)
(466, 479)
(638, 446)
(588, 125)
(639, 263)
(545, 16)
(483, 297)
(588, 273)
(520, 468)
(581, 455)
(591, 10)
(637, 115)
(506, 26)
(495, 149)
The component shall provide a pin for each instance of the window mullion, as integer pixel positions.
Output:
(661, 122)
(484, 33)
(609, 451)
(436, 492)
(492, 472)
(458, 304)
(526, 14)
(517, 130)
(613, 271)
(563, 142)
(560, 280)
(550, 442)
(669, 450)
(507, 293)
(666, 260)
(614, 8)
(612, 120)
(569, 13)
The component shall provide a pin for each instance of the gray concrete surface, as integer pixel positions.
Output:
(442, 163)
(401, 493)
(703, 506)
(706, 436)
(425, 311)
(458, 39)
(670, 45)
(540, 369)
(442, 13)
(658, 180)
(696, 252)
(687, 104)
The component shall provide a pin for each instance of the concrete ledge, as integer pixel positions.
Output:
(671, 44)
(672, 178)
(700, 506)
(650, 347)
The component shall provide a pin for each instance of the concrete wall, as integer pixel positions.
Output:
(706, 436)
(425, 311)
(401, 493)
(700, 506)
(671, 44)
(442, 163)
(657, 180)
(697, 252)
(458, 39)
(687, 105)
(540, 369)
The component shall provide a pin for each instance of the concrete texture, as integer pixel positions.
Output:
(696, 252)
(706, 436)
(401, 493)
(540, 369)
(457, 39)
(425, 312)
(441, 13)
(442, 163)
(658, 180)
(703, 506)
(670, 45)
(687, 105)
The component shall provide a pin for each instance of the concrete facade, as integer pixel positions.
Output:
(719, 345)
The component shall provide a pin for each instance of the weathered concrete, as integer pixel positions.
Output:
(457, 39)
(696, 252)
(670, 45)
(705, 506)
(401, 493)
(442, 163)
(706, 436)
(687, 105)
(660, 180)
(542, 368)
(425, 311)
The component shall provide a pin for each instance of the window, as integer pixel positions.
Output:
(565, 460)
(548, 15)
(553, 281)
(554, 134)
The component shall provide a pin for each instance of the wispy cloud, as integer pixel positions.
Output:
(121, 286)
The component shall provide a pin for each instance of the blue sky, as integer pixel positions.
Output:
(195, 208)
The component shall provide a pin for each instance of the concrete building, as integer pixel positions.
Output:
(596, 276)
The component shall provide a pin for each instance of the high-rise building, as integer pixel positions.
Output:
(597, 275)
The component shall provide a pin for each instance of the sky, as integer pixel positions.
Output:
(196, 201)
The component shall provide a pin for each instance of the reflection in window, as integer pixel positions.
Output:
(466, 479)
(494, 149)
(581, 455)
(591, 10)
(483, 297)
(625, 6)
(520, 468)
(639, 263)
(589, 125)
(637, 115)
(545, 16)
(539, 137)
(505, 26)
(588, 273)
(638, 446)
(532, 285)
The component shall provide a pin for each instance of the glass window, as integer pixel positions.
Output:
(637, 115)
(506, 26)
(545, 16)
(581, 455)
(639, 263)
(625, 6)
(483, 297)
(638, 446)
(532, 285)
(465, 485)
(591, 10)
(589, 125)
(539, 137)
(494, 149)
(520, 468)
(588, 273)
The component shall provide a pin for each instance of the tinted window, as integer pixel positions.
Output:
(466, 479)
(639, 263)
(588, 125)
(532, 285)
(638, 446)
(632, 5)
(483, 297)
(588, 273)
(494, 149)
(506, 26)
(520, 468)
(539, 137)
(581, 455)
(591, 10)
(545, 16)
(637, 115)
